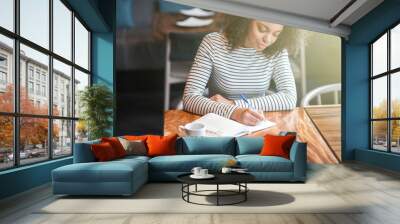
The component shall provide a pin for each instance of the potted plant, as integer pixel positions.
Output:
(96, 102)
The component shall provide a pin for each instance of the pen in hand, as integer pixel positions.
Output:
(249, 105)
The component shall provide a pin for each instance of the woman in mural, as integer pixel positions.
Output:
(237, 66)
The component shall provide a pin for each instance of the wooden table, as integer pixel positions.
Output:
(298, 120)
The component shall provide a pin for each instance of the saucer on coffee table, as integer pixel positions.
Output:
(208, 176)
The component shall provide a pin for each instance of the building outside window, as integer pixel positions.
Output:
(30, 72)
(30, 87)
(3, 72)
(59, 134)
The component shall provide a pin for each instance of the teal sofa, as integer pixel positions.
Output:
(125, 176)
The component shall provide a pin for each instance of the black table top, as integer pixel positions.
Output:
(220, 178)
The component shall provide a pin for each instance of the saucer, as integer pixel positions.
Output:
(196, 12)
(194, 22)
(208, 176)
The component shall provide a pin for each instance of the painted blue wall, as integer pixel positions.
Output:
(99, 15)
(24, 178)
(103, 52)
(356, 83)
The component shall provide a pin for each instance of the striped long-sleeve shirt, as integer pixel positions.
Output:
(231, 73)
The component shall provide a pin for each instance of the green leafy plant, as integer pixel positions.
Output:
(96, 104)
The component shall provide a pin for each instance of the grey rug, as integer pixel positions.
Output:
(166, 198)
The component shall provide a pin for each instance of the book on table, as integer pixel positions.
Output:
(217, 125)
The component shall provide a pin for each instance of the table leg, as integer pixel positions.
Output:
(217, 194)
(188, 189)
(245, 193)
(196, 187)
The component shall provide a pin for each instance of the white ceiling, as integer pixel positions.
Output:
(315, 15)
(321, 9)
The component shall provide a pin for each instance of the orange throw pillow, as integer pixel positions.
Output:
(135, 137)
(116, 145)
(161, 145)
(277, 145)
(103, 152)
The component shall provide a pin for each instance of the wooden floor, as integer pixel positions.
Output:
(327, 119)
(379, 189)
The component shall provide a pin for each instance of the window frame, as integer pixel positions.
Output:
(16, 114)
(388, 74)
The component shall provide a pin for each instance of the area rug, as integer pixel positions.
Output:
(167, 198)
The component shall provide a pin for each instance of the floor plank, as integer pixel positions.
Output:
(378, 190)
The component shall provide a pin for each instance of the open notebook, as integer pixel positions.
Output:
(217, 125)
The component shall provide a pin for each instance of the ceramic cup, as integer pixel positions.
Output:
(226, 170)
(193, 129)
(196, 171)
(203, 172)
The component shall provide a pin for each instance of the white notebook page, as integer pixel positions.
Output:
(220, 126)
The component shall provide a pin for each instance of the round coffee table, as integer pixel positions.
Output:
(238, 179)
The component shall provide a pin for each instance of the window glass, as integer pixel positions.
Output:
(6, 74)
(81, 131)
(395, 94)
(62, 29)
(62, 91)
(6, 142)
(33, 140)
(62, 138)
(379, 98)
(395, 47)
(39, 62)
(81, 45)
(81, 81)
(34, 21)
(379, 135)
(379, 56)
(395, 138)
(7, 14)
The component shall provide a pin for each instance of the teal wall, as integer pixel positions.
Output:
(99, 15)
(355, 60)
(24, 178)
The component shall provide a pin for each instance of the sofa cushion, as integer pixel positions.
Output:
(257, 163)
(111, 171)
(103, 152)
(161, 145)
(116, 145)
(277, 145)
(249, 145)
(185, 163)
(206, 145)
(83, 152)
(136, 147)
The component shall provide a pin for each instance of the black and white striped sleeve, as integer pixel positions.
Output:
(193, 99)
(285, 97)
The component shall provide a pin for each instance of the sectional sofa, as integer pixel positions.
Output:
(125, 176)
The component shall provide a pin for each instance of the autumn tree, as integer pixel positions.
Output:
(33, 131)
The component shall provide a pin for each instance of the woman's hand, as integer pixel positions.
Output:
(247, 116)
(220, 99)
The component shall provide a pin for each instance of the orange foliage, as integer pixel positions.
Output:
(33, 130)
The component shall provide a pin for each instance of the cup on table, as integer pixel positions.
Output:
(226, 170)
(193, 129)
(203, 172)
(196, 170)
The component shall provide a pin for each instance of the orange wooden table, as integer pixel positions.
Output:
(296, 120)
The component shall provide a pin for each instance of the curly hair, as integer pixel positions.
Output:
(236, 29)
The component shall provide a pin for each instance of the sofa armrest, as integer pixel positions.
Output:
(298, 155)
(83, 152)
